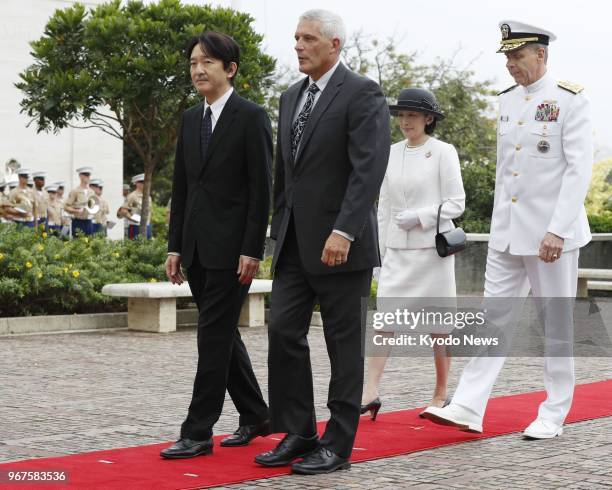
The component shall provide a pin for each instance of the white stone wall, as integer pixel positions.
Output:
(22, 21)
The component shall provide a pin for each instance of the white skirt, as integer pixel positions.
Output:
(416, 279)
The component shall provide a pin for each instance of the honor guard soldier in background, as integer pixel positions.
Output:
(6, 210)
(76, 204)
(23, 200)
(539, 223)
(54, 211)
(132, 209)
(100, 219)
(41, 197)
(66, 222)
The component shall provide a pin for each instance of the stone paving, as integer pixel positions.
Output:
(69, 393)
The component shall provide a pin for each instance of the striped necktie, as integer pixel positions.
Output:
(206, 132)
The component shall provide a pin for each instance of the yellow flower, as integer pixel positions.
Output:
(28, 264)
(86, 240)
(246, 85)
(65, 270)
(44, 235)
(1, 256)
(152, 280)
(40, 248)
(76, 274)
(56, 256)
(116, 254)
(39, 275)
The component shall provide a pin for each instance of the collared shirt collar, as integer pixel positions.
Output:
(217, 106)
(324, 80)
(538, 84)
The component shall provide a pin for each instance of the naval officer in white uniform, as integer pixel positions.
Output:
(544, 163)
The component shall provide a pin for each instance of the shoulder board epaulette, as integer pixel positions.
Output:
(507, 90)
(570, 87)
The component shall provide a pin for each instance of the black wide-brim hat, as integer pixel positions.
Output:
(419, 100)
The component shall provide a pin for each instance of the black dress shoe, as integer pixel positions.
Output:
(246, 433)
(373, 407)
(290, 448)
(187, 448)
(319, 462)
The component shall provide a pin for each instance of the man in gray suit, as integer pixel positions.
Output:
(332, 152)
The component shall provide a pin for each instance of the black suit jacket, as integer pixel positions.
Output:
(337, 172)
(220, 202)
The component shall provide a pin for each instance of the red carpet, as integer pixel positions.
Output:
(392, 434)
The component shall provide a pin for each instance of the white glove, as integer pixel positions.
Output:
(407, 219)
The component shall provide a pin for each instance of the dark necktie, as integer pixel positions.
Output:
(300, 123)
(206, 132)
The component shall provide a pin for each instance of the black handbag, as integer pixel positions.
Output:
(450, 242)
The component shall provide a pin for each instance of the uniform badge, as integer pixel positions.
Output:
(505, 31)
(547, 111)
(428, 154)
(543, 146)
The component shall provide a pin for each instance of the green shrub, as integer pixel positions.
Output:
(42, 274)
(601, 223)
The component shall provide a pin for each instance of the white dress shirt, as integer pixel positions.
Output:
(216, 108)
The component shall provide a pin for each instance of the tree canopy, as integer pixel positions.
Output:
(121, 67)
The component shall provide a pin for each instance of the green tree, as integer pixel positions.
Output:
(121, 68)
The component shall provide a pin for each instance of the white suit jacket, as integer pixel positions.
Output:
(421, 186)
(544, 164)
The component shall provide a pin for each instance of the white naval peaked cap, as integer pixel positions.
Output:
(138, 178)
(516, 34)
(96, 182)
(3, 183)
(39, 175)
(60, 183)
(24, 171)
(84, 170)
(51, 188)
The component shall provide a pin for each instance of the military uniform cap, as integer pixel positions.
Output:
(515, 35)
(39, 175)
(51, 188)
(84, 170)
(60, 183)
(126, 187)
(2, 183)
(138, 178)
(24, 171)
(96, 182)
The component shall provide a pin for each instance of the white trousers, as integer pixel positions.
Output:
(512, 276)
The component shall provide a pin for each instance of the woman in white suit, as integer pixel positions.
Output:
(422, 173)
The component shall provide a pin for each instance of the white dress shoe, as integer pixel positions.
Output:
(543, 429)
(456, 416)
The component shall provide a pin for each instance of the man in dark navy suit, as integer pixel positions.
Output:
(218, 222)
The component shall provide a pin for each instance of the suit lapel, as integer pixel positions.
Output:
(195, 132)
(331, 90)
(289, 107)
(223, 124)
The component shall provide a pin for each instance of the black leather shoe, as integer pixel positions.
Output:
(246, 433)
(289, 449)
(187, 448)
(319, 462)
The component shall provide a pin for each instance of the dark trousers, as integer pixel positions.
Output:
(81, 226)
(223, 360)
(99, 229)
(134, 232)
(294, 293)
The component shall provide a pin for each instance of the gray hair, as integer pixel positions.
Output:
(536, 46)
(332, 25)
